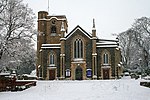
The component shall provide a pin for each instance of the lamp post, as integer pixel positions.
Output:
(119, 65)
(40, 69)
(141, 66)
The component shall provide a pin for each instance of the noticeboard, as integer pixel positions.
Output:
(89, 73)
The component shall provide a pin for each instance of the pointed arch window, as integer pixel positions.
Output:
(105, 58)
(78, 48)
(52, 59)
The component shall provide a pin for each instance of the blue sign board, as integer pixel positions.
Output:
(89, 73)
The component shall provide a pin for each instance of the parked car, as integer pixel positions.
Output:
(134, 75)
(126, 74)
(146, 77)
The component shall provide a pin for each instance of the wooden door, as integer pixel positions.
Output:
(106, 73)
(79, 75)
(51, 74)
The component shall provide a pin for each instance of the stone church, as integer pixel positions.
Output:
(75, 55)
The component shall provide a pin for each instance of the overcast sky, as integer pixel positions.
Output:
(111, 16)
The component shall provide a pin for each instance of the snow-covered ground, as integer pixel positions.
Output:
(124, 89)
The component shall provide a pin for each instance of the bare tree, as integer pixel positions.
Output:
(16, 32)
(135, 44)
(21, 56)
(17, 21)
(142, 28)
(128, 47)
(3, 4)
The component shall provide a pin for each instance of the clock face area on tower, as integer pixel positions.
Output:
(53, 27)
(53, 22)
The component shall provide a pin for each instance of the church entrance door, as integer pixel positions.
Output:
(106, 73)
(79, 73)
(52, 74)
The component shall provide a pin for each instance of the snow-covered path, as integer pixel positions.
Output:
(124, 89)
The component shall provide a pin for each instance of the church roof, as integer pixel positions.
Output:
(81, 29)
(107, 43)
(100, 42)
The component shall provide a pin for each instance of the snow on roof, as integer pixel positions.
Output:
(50, 46)
(107, 43)
(107, 40)
(108, 46)
(57, 15)
(54, 17)
(4, 74)
(29, 75)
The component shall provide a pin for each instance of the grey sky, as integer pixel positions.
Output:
(111, 16)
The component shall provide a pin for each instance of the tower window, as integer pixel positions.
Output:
(78, 48)
(53, 31)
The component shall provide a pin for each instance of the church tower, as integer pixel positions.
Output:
(49, 41)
